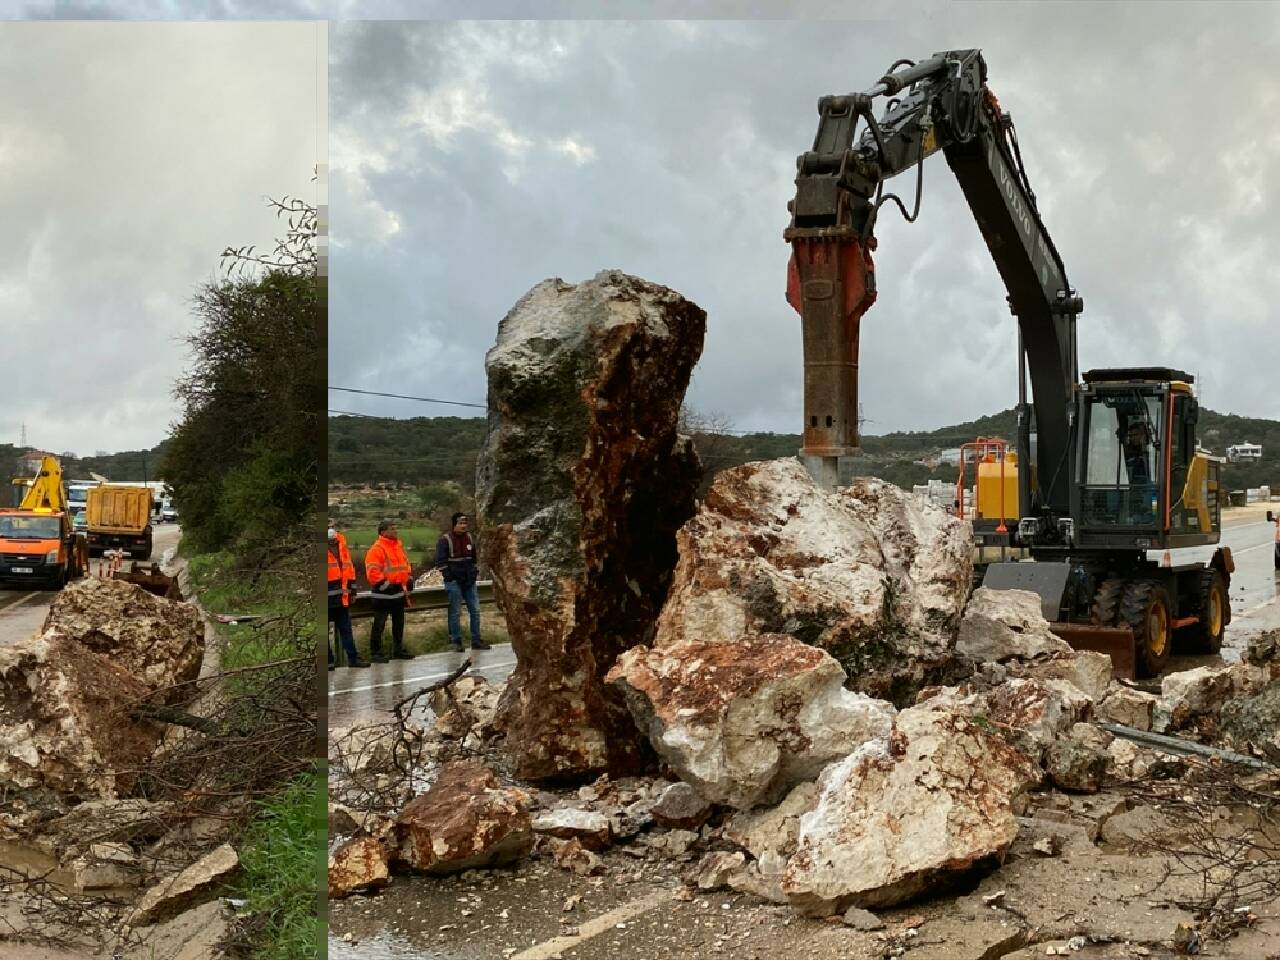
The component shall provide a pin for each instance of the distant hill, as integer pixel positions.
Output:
(430, 450)
(127, 465)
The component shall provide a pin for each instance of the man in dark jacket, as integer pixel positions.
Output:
(456, 560)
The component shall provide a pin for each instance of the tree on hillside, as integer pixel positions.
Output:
(243, 460)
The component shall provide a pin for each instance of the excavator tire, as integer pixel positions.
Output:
(1106, 603)
(1214, 606)
(1145, 607)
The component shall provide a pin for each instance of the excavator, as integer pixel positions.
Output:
(1110, 479)
(37, 541)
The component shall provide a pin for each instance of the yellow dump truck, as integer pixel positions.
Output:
(119, 516)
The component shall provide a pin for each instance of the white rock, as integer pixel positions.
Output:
(1007, 625)
(896, 815)
(742, 721)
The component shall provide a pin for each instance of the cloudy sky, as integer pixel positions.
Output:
(131, 155)
(471, 160)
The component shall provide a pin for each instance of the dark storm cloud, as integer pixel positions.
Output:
(131, 155)
(472, 160)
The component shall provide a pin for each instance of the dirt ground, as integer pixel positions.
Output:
(1096, 888)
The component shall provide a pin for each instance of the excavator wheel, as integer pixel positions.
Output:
(1106, 603)
(1214, 607)
(1145, 607)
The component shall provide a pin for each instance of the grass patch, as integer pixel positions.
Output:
(428, 632)
(223, 586)
(283, 856)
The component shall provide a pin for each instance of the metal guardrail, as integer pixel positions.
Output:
(421, 599)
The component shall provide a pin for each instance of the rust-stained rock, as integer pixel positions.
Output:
(572, 855)
(65, 695)
(1005, 625)
(680, 807)
(1032, 714)
(873, 575)
(716, 870)
(180, 890)
(160, 642)
(359, 864)
(1130, 708)
(1192, 693)
(582, 483)
(743, 720)
(770, 835)
(64, 719)
(469, 704)
(1076, 765)
(935, 799)
(1086, 670)
(466, 820)
(570, 823)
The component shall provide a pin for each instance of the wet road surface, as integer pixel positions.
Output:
(356, 692)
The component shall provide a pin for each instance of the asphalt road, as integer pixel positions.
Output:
(23, 609)
(1254, 589)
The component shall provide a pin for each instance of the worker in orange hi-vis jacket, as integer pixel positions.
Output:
(386, 567)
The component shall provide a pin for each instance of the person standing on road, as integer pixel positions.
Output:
(342, 586)
(456, 560)
(387, 569)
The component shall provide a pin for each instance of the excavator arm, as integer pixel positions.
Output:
(939, 104)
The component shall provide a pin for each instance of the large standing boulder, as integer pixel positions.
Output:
(743, 720)
(465, 821)
(875, 576)
(935, 799)
(582, 484)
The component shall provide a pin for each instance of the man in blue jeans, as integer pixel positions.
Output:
(456, 559)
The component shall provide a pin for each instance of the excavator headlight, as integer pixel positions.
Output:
(51, 556)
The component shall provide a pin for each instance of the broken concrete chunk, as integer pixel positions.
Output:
(466, 820)
(1130, 708)
(180, 890)
(359, 864)
(933, 800)
(1253, 722)
(586, 826)
(875, 576)
(681, 807)
(741, 721)
(582, 483)
(1005, 625)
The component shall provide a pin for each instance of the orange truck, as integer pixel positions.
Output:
(119, 517)
(37, 542)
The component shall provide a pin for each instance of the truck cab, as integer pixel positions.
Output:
(37, 541)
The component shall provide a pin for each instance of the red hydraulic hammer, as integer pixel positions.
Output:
(831, 283)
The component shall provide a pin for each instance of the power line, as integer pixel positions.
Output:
(401, 396)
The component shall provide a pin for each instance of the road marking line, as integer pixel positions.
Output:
(20, 601)
(593, 928)
(1250, 549)
(430, 676)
